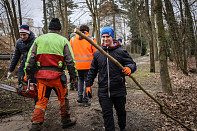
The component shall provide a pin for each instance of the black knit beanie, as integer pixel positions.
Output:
(84, 28)
(55, 24)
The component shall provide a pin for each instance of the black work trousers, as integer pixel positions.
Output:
(107, 110)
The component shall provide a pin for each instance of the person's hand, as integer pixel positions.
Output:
(127, 71)
(89, 91)
(10, 75)
(26, 78)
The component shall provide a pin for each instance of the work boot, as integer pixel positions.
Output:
(67, 121)
(86, 104)
(36, 127)
(79, 100)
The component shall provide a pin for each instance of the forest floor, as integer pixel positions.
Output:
(143, 114)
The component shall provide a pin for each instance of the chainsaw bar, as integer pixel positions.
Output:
(8, 88)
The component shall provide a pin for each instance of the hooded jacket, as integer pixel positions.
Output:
(111, 79)
(21, 48)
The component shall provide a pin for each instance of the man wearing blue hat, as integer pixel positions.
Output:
(22, 47)
(111, 79)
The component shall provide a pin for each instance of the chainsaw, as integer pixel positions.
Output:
(24, 89)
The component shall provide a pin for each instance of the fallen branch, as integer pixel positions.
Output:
(11, 111)
(133, 78)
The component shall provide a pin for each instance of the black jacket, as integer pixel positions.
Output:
(21, 48)
(111, 84)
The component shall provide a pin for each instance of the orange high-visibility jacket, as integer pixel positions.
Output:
(83, 51)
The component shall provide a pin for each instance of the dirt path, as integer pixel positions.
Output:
(90, 118)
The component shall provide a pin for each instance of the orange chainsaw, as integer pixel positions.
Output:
(24, 89)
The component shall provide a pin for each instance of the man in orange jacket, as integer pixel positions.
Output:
(83, 54)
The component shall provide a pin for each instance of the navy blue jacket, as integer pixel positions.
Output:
(111, 79)
(21, 48)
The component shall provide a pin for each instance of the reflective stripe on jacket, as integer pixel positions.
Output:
(83, 51)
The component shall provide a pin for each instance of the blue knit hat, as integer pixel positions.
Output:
(24, 29)
(108, 30)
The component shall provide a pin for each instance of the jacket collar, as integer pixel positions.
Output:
(84, 32)
(31, 36)
(114, 46)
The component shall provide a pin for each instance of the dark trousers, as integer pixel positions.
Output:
(82, 78)
(107, 110)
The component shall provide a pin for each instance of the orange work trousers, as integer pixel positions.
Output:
(44, 91)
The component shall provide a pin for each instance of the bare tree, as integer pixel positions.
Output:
(14, 12)
(62, 16)
(153, 30)
(190, 29)
(14, 24)
(114, 18)
(19, 12)
(175, 35)
(183, 35)
(45, 17)
(164, 74)
(66, 19)
(10, 24)
(91, 6)
(53, 9)
(98, 23)
(150, 37)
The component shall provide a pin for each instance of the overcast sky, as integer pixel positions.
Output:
(35, 11)
(33, 8)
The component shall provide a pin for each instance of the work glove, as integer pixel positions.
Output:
(26, 78)
(127, 71)
(89, 91)
(10, 75)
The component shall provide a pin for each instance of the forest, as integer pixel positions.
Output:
(161, 32)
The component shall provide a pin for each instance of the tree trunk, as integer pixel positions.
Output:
(124, 38)
(19, 12)
(114, 19)
(14, 12)
(189, 22)
(66, 19)
(91, 7)
(183, 35)
(140, 38)
(164, 74)
(94, 24)
(153, 30)
(10, 25)
(14, 24)
(98, 38)
(173, 27)
(62, 17)
(3, 24)
(45, 18)
(150, 37)
(53, 10)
